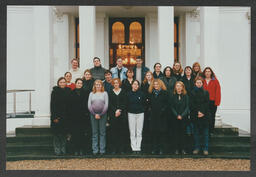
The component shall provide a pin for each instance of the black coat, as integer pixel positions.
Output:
(169, 84)
(117, 102)
(126, 86)
(107, 86)
(60, 98)
(178, 76)
(144, 89)
(199, 101)
(78, 110)
(180, 106)
(196, 74)
(158, 76)
(88, 84)
(158, 105)
(189, 84)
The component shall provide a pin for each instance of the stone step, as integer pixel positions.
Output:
(33, 130)
(19, 147)
(48, 138)
(41, 156)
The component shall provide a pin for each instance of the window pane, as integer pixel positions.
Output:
(135, 33)
(118, 33)
(175, 32)
(175, 53)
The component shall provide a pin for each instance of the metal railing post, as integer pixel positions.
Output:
(29, 102)
(14, 103)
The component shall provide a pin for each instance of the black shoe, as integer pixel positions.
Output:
(184, 152)
(81, 153)
(58, 154)
(153, 152)
(176, 152)
(76, 153)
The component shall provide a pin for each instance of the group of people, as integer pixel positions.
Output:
(102, 110)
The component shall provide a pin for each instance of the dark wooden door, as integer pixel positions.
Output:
(126, 40)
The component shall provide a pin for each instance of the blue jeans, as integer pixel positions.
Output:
(98, 132)
(189, 128)
(201, 132)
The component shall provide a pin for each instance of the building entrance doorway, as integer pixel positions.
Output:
(126, 40)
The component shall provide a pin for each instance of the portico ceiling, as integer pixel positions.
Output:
(122, 11)
(72, 10)
(179, 10)
(126, 11)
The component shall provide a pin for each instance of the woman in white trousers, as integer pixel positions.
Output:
(136, 102)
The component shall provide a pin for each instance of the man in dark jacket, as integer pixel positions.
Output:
(139, 70)
(107, 82)
(97, 71)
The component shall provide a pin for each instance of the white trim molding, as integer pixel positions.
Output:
(20, 9)
(234, 9)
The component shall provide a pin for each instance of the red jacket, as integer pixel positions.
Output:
(72, 86)
(213, 88)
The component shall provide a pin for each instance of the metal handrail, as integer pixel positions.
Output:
(14, 91)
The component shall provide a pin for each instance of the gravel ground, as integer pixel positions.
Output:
(131, 164)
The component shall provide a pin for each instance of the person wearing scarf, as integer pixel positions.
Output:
(158, 99)
(199, 112)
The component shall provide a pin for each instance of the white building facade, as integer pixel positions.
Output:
(42, 40)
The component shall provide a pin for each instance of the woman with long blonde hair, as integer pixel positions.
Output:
(158, 104)
(98, 106)
(180, 110)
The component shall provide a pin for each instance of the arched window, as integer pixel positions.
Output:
(135, 33)
(118, 35)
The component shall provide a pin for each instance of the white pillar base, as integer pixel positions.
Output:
(218, 121)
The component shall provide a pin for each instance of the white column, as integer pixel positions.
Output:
(43, 33)
(192, 35)
(166, 35)
(100, 43)
(61, 45)
(209, 32)
(106, 42)
(87, 25)
(151, 46)
(209, 44)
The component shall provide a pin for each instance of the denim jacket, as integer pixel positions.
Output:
(114, 71)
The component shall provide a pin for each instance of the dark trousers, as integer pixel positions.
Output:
(117, 135)
(146, 133)
(212, 113)
(189, 139)
(201, 136)
(78, 140)
(179, 134)
(158, 140)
